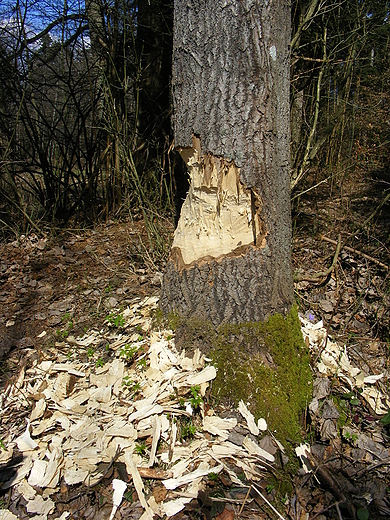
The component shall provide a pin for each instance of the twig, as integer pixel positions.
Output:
(321, 274)
(245, 501)
(268, 502)
(338, 511)
(332, 484)
(376, 210)
(357, 252)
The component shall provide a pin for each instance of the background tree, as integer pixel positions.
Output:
(73, 141)
(333, 51)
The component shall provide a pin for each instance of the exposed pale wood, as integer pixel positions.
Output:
(220, 215)
(154, 473)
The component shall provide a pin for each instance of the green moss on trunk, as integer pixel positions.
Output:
(264, 364)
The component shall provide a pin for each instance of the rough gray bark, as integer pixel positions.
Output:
(231, 114)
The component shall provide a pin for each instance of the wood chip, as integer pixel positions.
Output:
(38, 410)
(207, 374)
(70, 369)
(145, 412)
(7, 515)
(253, 428)
(25, 442)
(119, 488)
(174, 483)
(255, 449)
(137, 481)
(156, 438)
(41, 506)
(217, 426)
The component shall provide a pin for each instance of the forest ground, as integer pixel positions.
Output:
(68, 281)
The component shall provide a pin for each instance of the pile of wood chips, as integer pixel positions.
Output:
(68, 422)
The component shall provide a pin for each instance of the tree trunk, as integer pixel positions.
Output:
(231, 257)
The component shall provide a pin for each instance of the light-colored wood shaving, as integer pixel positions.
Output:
(85, 418)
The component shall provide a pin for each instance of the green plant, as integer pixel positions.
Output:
(90, 352)
(116, 320)
(196, 399)
(386, 419)
(128, 496)
(363, 513)
(141, 363)
(213, 476)
(108, 289)
(140, 448)
(99, 362)
(269, 488)
(62, 334)
(128, 352)
(133, 386)
(350, 436)
(2, 445)
(188, 430)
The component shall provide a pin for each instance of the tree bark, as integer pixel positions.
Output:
(231, 254)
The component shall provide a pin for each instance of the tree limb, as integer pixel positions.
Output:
(321, 274)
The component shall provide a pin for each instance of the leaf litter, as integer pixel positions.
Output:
(351, 455)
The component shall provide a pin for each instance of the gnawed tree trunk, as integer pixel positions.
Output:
(231, 259)
(229, 277)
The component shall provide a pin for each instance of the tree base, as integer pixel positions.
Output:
(266, 364)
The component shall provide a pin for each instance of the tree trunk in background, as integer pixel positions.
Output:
(231, 254)
(154, 48)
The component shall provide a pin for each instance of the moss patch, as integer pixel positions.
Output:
(264, 364)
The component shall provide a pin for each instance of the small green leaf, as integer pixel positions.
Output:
(363, 513)
(386, 419)
(355, 402)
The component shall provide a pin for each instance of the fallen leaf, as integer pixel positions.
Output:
(227, 514)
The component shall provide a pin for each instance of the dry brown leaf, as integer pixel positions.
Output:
(227, 514)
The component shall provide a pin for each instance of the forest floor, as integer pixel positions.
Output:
(60, 287)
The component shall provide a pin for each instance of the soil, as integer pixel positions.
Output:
(68, 282)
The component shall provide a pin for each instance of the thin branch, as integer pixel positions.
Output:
(357, 252)
(321, 274)
(268, 502)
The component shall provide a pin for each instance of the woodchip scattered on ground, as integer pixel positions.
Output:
(92, 395)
